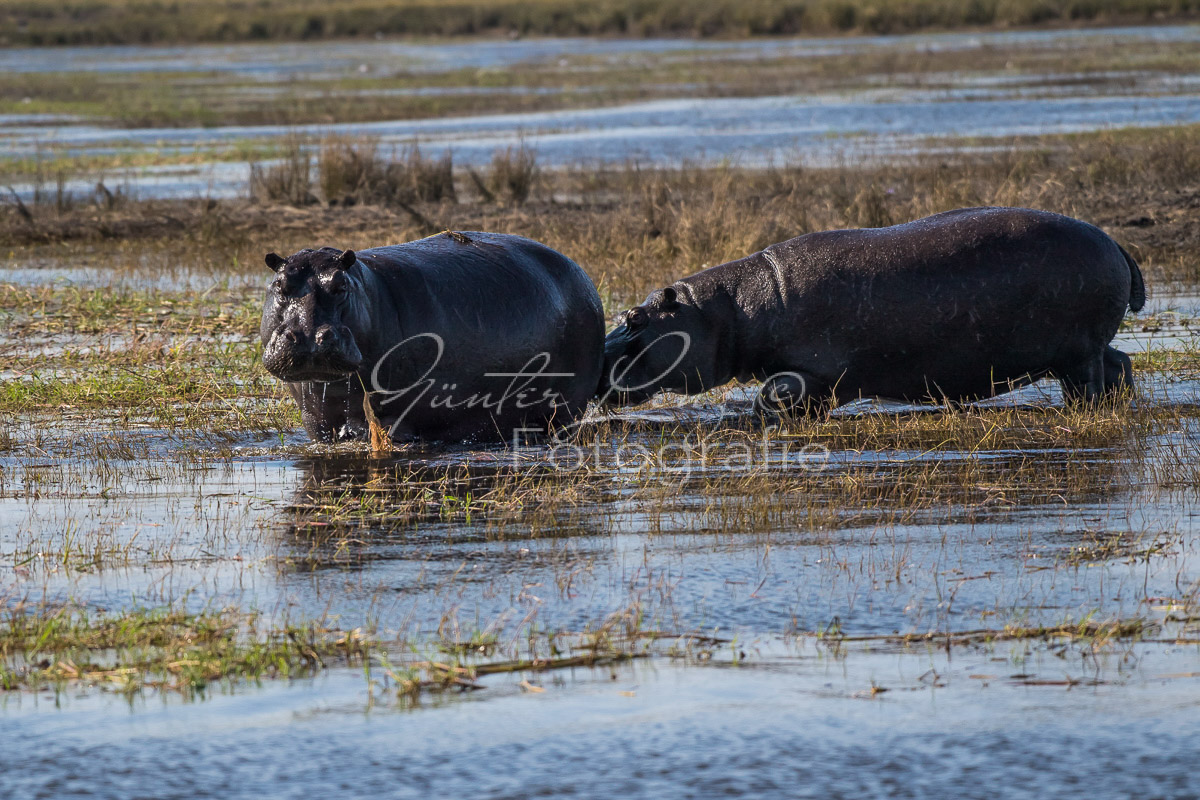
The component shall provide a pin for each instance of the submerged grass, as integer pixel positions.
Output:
(809, 475)
(170, 650)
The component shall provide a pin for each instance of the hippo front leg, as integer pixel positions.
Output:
(792, 393)
(331, 411)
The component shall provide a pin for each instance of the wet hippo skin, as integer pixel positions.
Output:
(958, 306)
(457, 337)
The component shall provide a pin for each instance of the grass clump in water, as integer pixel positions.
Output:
(162, 649)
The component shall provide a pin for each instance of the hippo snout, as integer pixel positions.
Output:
(613, 390)
(293, 355)
(330, 339)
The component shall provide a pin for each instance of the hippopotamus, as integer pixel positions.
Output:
(955, 307)
(459, 337)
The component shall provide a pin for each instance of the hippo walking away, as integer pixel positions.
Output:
(458, 337)
(959, 306)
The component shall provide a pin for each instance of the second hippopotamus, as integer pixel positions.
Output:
(958, 306)
(456, 337)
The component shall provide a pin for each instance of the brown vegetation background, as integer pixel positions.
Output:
(47, 22)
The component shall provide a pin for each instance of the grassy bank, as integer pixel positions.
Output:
(38, 22)
(631, 228)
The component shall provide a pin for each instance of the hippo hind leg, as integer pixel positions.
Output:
(790, 393)
(1118, 372)
(1083, 383)
(1107, 375)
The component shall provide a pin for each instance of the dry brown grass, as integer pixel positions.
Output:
(635, 229)
(514, 172)
(121, 21)
(352, 172)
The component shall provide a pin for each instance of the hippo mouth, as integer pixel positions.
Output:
(288, 360)
(612, 394)
(324, 368)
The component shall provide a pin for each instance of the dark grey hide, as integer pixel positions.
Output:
(458, 337)
(958, 306)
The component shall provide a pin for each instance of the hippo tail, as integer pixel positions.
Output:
(1137, 286)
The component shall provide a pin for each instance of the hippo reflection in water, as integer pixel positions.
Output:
(457, 337)
(959, 306)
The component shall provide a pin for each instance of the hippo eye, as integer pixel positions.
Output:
(635, 317)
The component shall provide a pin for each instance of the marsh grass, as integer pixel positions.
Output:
(181, 360)
(67, 309)
(160, 649)
(289, 180)
(169, 650)
(513, 173)
(353, 172)
(350, 172)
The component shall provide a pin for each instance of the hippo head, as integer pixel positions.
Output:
(663, 345)
(314, 316)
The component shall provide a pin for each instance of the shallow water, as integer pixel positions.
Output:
(751, 132)
(695, 733)
(768, 713)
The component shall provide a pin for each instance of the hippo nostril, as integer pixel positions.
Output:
(325, 336)
(292, 336)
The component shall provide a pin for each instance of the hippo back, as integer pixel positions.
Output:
(498, 307)
(955, 304)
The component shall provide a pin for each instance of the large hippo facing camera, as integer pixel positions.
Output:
(959, 306)
(457, 337)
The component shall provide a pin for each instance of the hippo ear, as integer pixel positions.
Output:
(670, 300)
(275, 261)
(347, 259)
